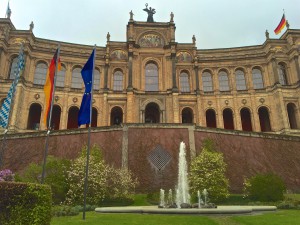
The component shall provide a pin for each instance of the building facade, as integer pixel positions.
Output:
(151, 78)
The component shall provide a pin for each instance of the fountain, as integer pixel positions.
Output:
(183, 199)
(182, 192)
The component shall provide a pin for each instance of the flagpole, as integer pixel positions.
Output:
(89, 140)
(17, 73)
(50, 116)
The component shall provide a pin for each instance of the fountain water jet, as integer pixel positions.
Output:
(182, 192)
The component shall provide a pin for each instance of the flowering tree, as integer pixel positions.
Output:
(97, 178)
(7, 175)
(208, 171)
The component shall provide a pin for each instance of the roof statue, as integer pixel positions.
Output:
(31, 26)
(172, 17)
(131, 15)
(150, 12)
(8, 11)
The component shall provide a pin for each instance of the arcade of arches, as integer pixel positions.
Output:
(152, 114)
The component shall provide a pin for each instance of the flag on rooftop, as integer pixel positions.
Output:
(6, 106)
(281, 25)
(87, 75)
(48, 87)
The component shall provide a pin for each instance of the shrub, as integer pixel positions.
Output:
(265, 187)
(64, 210)
(55, 176)
(208, 171)
(104, 182)
(24, 203)
(121, 184)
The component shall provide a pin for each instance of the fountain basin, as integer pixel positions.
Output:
(155, 210)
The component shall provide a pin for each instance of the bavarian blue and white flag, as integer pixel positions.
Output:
(6, 106)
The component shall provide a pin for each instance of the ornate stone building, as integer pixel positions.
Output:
(151, 78)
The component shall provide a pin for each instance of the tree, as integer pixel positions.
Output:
(97, 178)
(208, 171)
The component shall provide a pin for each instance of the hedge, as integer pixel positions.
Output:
(25, 203)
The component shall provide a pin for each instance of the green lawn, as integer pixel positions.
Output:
(132, 219)
(281, 217)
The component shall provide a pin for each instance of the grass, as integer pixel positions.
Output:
(281, 217)
(132, 219)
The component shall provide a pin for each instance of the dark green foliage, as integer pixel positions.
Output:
(116, 202)
(56, 173)
(64, 210)
(25, 203)
(265, 188)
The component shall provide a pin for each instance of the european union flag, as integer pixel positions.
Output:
(87, 76)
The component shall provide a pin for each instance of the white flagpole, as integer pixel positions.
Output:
(89, 141)
(50, 116)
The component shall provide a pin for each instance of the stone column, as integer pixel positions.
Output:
(106, 76)
(173, 57)
(275, 71)
(176, 115)
(129, 87)
(197, 79)
(296, 58)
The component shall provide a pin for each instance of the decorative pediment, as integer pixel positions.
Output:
(184, 57)
(151, 41)
(118, 55)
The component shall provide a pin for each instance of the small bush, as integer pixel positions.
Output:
(55, 176)
(25, 203)
(64, 210)
(265, 188)
(153, 198)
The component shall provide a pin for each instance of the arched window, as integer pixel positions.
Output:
(34, 117)
(264, 119)
(187, 115)
(184, 82)
(211, 118)
(207, 82)
(292, 113)
(282, 74)
(151, 77)
(116, 116)
(118, 81)
(246, 119)
(223, 81)
(152, 113)
(228, 119)
(55, 120)
(257, 79)
(13, 67)
(60, 79)
(96, 80)
(76, 78)
(40, 73)
(240, 80)
(73, 117)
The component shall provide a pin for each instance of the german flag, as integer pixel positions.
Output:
(49, 85)
(281, 25)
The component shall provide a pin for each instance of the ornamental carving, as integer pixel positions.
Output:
(184, 57)
(151, 40)
(118, 55)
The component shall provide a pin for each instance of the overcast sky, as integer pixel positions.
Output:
(215, 23)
